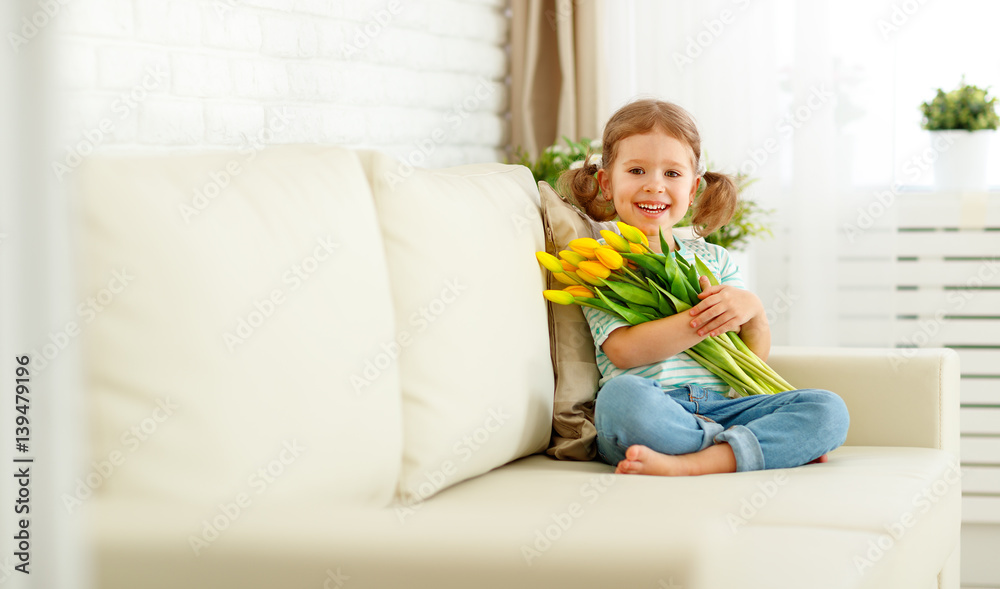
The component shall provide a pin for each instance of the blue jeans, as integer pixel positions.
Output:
(764, 431)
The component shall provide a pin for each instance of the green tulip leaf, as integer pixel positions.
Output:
(630, 316)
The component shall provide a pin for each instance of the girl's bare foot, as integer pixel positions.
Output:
(642, 460)
(819, 460)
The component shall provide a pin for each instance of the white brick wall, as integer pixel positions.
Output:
(424, 80)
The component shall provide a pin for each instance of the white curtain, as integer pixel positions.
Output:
(799, 95)
(36, 302)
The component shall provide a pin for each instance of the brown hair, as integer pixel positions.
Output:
(712, 209)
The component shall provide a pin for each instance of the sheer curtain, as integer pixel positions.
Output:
(799, 96)
(556, 71)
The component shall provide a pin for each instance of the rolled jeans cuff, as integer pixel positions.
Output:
(745, 447)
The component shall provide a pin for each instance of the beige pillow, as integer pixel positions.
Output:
(476, 382)
(245, 334)
(572, 346)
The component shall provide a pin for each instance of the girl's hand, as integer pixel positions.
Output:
(723, 308)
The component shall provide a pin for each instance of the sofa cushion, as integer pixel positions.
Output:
(240, 298)
(542, 523)
(473, 339)
(573, 353)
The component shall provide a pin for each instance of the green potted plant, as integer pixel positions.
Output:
(749, 221)
(557, 158)
(962, 123)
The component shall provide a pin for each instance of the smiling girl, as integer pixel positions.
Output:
(658, 411)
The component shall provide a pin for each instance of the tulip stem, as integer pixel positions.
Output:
(627, 280)
(715, 369)
(751, 362)
(639, 281)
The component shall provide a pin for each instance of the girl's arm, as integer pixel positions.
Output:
(756, 334)
(726, 308)
(722, 308)
(653, 341)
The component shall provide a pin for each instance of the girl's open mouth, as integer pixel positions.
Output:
(652, 209)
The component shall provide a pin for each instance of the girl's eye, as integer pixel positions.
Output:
(673, 174)
(635, 171)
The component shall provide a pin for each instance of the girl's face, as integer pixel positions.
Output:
(651, 182)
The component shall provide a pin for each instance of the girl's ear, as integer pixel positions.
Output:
(694, 187)
(604, 181)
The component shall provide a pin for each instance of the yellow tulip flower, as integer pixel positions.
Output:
(588, 277)
(633, 234)
(579, 291)
(564, 278)
(616, 241)
(572, 257)
(637, 248)
(594, 269)
(566, 266)
(584, 246)
(549, 262)
(609, 257)
(560, 297)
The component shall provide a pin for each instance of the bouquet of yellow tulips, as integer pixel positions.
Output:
(630, 281)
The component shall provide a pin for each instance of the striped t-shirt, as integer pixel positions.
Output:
(679, 369)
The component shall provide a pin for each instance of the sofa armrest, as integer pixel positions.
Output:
(896, 397)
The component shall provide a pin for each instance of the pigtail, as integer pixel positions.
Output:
(716, 205)
(580, 187)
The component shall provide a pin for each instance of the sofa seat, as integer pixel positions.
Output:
(533, 523)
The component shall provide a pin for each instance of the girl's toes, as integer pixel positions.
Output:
(635, 452)
(627, 467)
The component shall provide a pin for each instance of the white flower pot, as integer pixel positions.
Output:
(961, 159)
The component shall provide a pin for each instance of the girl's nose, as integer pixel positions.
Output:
(655, 185)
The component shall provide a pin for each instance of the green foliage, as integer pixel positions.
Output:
(556, 158)
(964, 108)
(749, 221)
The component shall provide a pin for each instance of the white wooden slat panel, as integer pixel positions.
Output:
(980, 391)
(980, 420)
(874, 263)
(867, 272)
(947, 210)
(981, 509)
(980, 450)
(948, 243)
(980, 567)
(862, 211)
(868, 332)
(980, 361)
(981, 479)
(931, 332)
(871, 302)
(930, 272)
(865, 243)
(951, 302)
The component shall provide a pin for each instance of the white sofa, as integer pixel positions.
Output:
(321, 368)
